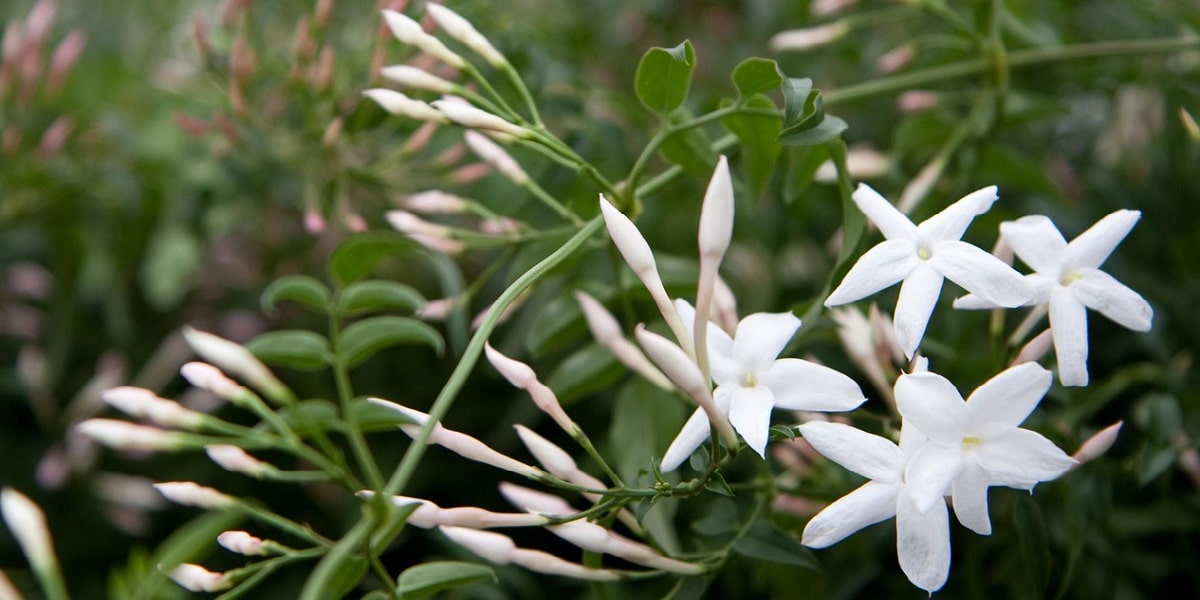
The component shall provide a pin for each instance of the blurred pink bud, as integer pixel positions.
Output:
(241, 542)
(333, 132)
(190, 125)
(235, 359)
(895, 59)
(862, 163)
(322, 12)
(1095, 447)
(200, 35)
(504, 316)
(55, 138)
(918, 188)
(242, 61)
(437, 310)
(196, 578)
(420, 138)
(607, 332)
(496, 156)
(468, 173)
(825, 8)
(499, 226)
(210, 379)
(314, 223)
(355, 222)
(39, 21)
(143, 404)
(322, 72)
(916, 101)
(189, 493)
(431, 235)
(808, 38)
(63, 61)
(520, 375)
(797, 505)
(303, 46)
(1035, 349)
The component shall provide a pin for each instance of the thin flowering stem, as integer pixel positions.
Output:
(358, 444)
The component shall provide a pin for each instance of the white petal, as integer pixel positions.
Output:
(952, 222)
(918, 296)
(750, 413)
(1068, 325)
(695, 431)
(932, 404)
(890, 221)
(1021, 458)
(930, 472)
(970, 490)
(871, 503)
(720, 345)
(1035, 240)
(802, 385)
(1092, 247)
(1099, 291)
(881, 266)
(867, 454)
(760, 338)
(980, 273)
(923, 543)
(1009, 396)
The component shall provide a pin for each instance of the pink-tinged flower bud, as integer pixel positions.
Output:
(431, 235)
(128, 490)
(895, 59)
(824, 8)
(637, 255)
(494, 547)
(314, 223)
(322, 12)
(471, 172)
(505, 315)
(494, 155)
(535, 501)
(188, 493)
(303, 46)
(919, 186)
(428, 515)
(475, 118)
(321, 74)
(55, 137)
(520, 375)
(418, 79)
(143, 404)
(680, 369)
(459, 443)
(399, 104)
(234, 459)
(196, 578)
(437, 310)
(210, 379)
(39, 21)
(607, 331)
(333, 133)
(435, 202)
(410, 32)
(236, 360)
(914, 101)
(500, 226)
(542, 562)
(594, 538)
(460, 29)
(123, 435)
(795, 40)
(499, 549)
(241, 542)
(862, 163)
(725, 307)
(242, 61)
(27, 523)
(553, 458)
(420, 138)
(63, 61)
(1035, 349)
(1095, 447)
(200, 36)
(716, 214)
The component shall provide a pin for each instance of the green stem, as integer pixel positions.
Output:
(358, 443)
(545, 198)
(446, 397)
(1016, 59)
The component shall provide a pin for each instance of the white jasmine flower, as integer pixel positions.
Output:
(196, 578)
(923, 256)
(752, 381)
(977, 443)
(1067, 278)
(922, 536)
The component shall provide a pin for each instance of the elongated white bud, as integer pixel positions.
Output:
(494, 155)
(594, 538)
(494, 547)
(399, 104)
(1095, 447)
(409, 31)
(431, 235)
(189, 493)
(435, 202)
(232, 458)
(235, 360)
(143, 404)
(27, 523)
(680, 369)
(241, 542)
(725, 307)
(428, 515)
(500, 549)
(123, 435)
(210, 379)
(1035, 348)
(535, 501)
(807, 38)
(459, 443)
(418, 79)
(607, 331)
(462, 30)
(716, 213)
(196, 578)
(553, 458)
(522, 376)
(475, 118)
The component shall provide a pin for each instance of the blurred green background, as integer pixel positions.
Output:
(195, 152)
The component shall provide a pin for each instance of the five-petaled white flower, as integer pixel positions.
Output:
(751, 381)
(1068, 279)
(977, 443)
(923, 256)
(922, 536)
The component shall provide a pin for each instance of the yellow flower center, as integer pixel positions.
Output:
(970, 440)
(749, 380)
(923, 253)
(1070, 278)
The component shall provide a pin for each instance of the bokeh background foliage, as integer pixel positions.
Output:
(196, 152)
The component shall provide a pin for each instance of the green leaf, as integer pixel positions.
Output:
(425, 580)
(663, 77)
(802, 165)
(765, 541)
(300, 289)
(379, 295)
(354, 258)
(293, 348)
(364, 338)
(645, 418)
(829, 128)
(690, 148)
(717, 485)
(756, 76)
(720, 519)
(308, 417)
(1034, 546)
(557, 322)
(759, 139)
(583, 372)
(795, 95)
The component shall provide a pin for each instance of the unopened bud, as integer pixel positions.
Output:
(861, 164)
(143, 404)
(241, 542)
(607, 331)
(63, 61)
(1035, 349)
(27, 523)
(494, 155)
(522, 376)
(680, 369)
(808, 38)
(123, 435)
(399, 104)
(421, 137)
(1095, 447)
(188, 493)
(535, 501)
(435, 202)
(553, 458)
(234, 459)
(241, 60)
(196, 578)
(409, 31)
(322, 71)
(210, 379)
(914, 101)
(419, 79)
(919, 186)
(460, 29)
(55, 138)
(475, 118)
(895, 59)
(236, 360)
(303, 45)
(431, 235)
(333, 132)
(494, 547)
